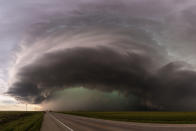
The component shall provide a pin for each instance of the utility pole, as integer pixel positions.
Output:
(26, 107)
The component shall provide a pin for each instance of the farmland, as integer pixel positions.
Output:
(144, 117)
(14, 121)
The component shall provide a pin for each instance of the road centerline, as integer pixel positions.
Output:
(60, 122)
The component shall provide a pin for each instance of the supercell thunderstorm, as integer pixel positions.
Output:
(143, 52)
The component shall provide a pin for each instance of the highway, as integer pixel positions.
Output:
(64, 122)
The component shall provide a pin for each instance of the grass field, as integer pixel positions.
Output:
(144, 117)
(20, 121)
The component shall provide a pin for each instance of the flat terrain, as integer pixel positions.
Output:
(20, 121)
(144, 117)
(64, 122)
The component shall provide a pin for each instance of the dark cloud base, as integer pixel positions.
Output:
(103, 69)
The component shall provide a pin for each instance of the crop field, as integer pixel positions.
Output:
(144, 117)
(20, 121)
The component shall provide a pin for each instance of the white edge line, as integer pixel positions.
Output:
(61, 122)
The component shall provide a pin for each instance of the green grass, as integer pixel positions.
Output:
(144, 117)
(20, 121)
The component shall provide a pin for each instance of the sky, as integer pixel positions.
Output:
(98, 55)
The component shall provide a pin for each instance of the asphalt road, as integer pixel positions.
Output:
(63, 122)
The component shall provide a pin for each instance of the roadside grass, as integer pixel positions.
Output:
(21, 121)
(143, 117)
(6, 116)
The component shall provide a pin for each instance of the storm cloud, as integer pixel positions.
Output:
(110, 46)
